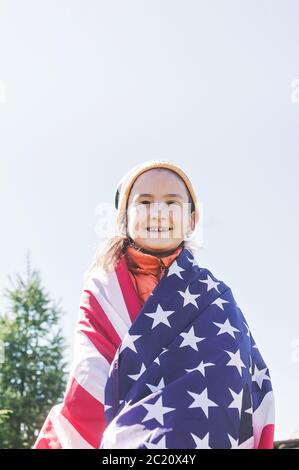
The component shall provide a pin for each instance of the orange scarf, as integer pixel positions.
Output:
(146, 270)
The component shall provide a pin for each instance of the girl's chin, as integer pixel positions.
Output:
(158, 244)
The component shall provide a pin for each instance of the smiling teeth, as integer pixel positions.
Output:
(159, 229)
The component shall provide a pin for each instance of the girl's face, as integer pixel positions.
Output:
(159, 212)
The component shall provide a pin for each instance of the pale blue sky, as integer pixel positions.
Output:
(89, 89)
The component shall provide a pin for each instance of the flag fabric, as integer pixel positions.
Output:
(180, 372)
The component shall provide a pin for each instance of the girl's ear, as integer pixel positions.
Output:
(191, 225)
(192, 221)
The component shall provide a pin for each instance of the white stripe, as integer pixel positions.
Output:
(68, 436)
(105, 296)
(249, 444)
(263, 415)
(116, 298)
(89, 367)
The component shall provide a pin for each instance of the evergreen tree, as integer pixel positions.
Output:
(33, 370)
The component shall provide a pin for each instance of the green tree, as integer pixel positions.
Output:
(32, 370)
(4, 414)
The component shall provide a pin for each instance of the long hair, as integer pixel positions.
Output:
(109, 252)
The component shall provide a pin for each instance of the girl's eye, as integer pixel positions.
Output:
(167, 202)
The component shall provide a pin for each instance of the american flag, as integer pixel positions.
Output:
(180, 372)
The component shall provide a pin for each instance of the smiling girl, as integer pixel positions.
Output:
(164, 357)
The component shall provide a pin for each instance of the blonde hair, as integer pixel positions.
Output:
(110, 251)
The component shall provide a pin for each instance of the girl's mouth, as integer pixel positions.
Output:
(158, 229)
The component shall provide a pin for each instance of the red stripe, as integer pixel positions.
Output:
(85, 413)
(267, 437)
(95, 324)
(47, 438)
(128, 290)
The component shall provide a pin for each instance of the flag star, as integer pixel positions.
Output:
(210, 283)
(236, 361)
(201, 367)
(234, 442)
(202, 401)
(136, 376)
(159, 445)
(155, 388)
(219, 302)
(129, 341)
(226, 327)
(260, 375)
(190, 339)
(201, 443)
(156, 411)
(189, 298)
(160, 316)
(237, 400)
(175, 269)
(107, 407)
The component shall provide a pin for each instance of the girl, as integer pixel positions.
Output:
(164, 357)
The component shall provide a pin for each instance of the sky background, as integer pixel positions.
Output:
(89, 89)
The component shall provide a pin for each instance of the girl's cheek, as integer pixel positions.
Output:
(139, 213)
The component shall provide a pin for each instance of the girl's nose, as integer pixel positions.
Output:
(159, 208)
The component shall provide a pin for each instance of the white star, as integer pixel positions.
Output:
(201, 367)
(155, 388)
(189, 298)
(175, 269)
(226, 327)
(160, 316)
(202, 401)
(156, 411)
(210, 283)
(129, 341)
(236, 361)
(201, 443)
(233, 442)
(219, 302)
(260, 375)
(159, 445)
(136, 376)
(237, 400)
(190, 339)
